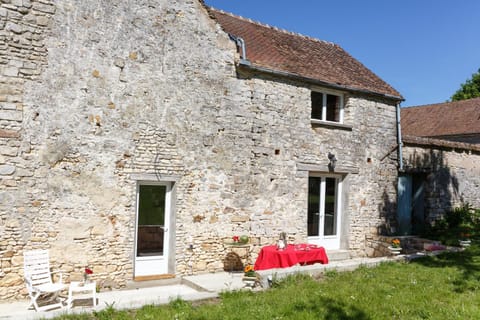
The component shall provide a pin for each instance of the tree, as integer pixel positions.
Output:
(469, 89)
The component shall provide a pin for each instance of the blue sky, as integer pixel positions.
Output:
(424, 48)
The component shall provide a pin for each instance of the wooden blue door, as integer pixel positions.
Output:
(418, 205)
(404, 207)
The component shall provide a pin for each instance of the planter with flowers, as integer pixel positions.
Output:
(249, 276)
(465, 240)
(239, 240)
(395, 247)
(86, 275)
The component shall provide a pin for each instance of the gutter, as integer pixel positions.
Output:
(399, 140)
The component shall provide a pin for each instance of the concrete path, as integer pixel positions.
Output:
(190, 288)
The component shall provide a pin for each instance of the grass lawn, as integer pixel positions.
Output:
(442, 287)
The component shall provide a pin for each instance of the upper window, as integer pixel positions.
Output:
(327, 107)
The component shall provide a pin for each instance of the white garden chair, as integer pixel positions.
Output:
(38, 278)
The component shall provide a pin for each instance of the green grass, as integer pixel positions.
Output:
(442, 287)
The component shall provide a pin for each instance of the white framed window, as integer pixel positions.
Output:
(327, 106)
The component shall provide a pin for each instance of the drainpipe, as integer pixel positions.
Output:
(243, 49)
(399, 140)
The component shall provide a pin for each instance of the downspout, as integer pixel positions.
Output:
(399, 140)
(243, 49)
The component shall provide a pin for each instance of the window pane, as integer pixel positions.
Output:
(330, 224)
(333, 108)
(313, 205)
(152, 205)
(151, 217)
(317, 103)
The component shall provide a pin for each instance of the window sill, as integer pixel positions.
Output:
(330, 124)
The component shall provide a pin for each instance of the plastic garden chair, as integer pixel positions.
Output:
(38, 278)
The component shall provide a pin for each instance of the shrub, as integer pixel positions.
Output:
(460, 223)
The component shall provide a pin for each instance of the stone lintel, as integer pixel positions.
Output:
(324, 168)
(153, 177)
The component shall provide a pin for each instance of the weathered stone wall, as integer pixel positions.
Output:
(116, 73)
(452, 173)
(372, 194)
(150, 87)
(23, 55)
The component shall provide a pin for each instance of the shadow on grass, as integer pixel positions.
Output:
(467, 262)
(324, 308)
(340, 311)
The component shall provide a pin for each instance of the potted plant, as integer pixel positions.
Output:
(86, 275)
(395, 247)
(464, 239)
(240, 240)
(249, 276)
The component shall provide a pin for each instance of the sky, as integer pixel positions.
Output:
(425, 49)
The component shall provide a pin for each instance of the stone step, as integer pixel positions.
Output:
(338, 255)
(152, 283)
(416, 244)
(170, 281)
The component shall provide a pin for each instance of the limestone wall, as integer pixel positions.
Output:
(23, 55)
(452, 173)
(150, 88)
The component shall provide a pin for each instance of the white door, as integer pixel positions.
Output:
(153, 217)
(324, 211)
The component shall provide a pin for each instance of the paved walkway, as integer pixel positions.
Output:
(198, 287)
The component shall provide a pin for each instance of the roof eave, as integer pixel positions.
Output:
(425, 141)
(248, 65)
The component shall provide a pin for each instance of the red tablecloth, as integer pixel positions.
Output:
(270, 257)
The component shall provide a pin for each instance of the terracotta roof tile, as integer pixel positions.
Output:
(442, 119)
(303, 56)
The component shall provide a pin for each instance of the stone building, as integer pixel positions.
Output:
(441, 162)
(138, 137)
(454, 121)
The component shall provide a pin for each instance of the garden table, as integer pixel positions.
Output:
(89, 288)
(271, 257)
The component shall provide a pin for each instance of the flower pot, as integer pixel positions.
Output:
(464, 243)
(249, 281)
(395, 250)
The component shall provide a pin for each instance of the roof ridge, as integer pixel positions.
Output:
(273, 27)
(442, 103)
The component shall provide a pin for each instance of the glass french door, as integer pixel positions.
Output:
(153, 215)
(324, 211)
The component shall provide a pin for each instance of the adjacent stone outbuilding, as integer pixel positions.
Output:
(137, 138)
(441, 168)
(443, 175)
(453, 121)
